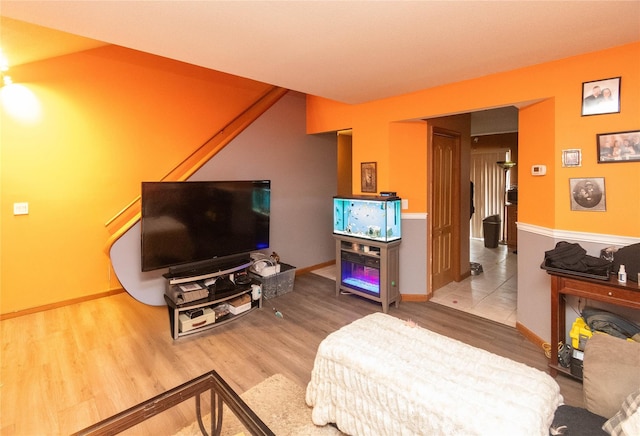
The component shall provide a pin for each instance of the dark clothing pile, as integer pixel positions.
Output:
(628, 256)
(572, 257)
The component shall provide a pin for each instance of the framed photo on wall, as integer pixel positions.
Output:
(619, 146)
(572, 158)
(601, 97)
(588, 194)
(368, 177)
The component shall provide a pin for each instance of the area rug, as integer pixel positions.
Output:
(280, 403)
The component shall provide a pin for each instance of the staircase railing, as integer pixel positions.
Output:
(130, 214)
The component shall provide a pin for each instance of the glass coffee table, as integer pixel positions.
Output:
(221, 395)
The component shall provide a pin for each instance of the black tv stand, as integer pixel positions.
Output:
(208, 269)
(213, 310)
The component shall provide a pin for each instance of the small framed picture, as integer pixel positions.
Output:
(601, 97)
(588, 194)
(619, 146)
(572, 158)
(368, 177)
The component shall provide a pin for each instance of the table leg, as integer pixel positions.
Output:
(555, 320)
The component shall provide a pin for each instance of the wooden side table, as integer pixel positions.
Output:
(607, 291)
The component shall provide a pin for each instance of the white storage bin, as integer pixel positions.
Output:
(186, 324)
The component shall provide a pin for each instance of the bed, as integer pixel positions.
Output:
(385, 376)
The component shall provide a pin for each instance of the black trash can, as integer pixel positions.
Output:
(491, 230)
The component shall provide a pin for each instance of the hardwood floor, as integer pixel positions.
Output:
(66, 368)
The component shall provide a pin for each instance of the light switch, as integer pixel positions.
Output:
(21, 208)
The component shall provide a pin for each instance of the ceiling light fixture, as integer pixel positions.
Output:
(4, 67)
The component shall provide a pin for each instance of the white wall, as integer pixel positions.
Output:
(413, 255)
(302, 170)
(534, 284)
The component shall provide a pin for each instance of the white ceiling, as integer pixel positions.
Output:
(350, 51)
(22, 42)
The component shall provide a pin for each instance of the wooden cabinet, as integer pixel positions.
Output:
(608, 291)
(369, 269)
(512, 228)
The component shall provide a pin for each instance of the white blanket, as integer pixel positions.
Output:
(381, 376)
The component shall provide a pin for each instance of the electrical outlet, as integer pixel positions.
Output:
(405, 203)
(21, 208)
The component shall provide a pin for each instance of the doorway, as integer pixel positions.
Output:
(492, 293)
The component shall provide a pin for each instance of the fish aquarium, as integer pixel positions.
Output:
(368, 217)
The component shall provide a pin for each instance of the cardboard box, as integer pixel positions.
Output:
(186, 324)
(240, 304)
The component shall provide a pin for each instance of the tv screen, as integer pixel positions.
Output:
(188, 222)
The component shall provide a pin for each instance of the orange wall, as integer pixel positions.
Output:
(536, 146)
(407, 170)
(109, 118)
(549, 96)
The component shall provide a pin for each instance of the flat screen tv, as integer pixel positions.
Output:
(194, 222)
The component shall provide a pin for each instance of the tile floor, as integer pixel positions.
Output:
(491, 294)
